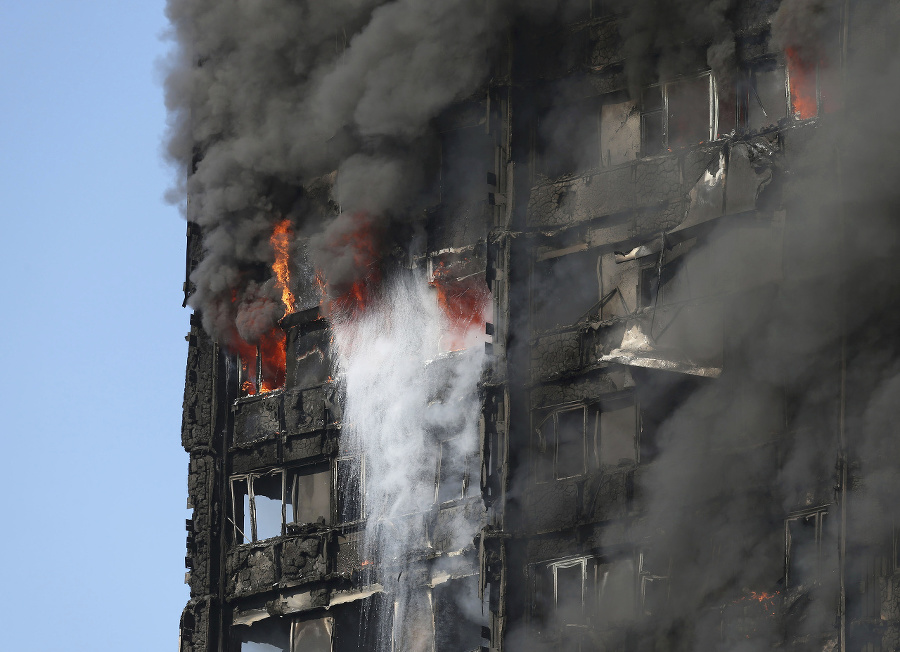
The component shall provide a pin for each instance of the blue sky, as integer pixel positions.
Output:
(92, 333)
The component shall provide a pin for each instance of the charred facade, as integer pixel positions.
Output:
(662, 416)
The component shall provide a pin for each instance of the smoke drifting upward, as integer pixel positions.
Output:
(267, 98)
(664, 38)
(406, 413)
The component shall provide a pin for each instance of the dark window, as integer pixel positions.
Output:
(652, 132)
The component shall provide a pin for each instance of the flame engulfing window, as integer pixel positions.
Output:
(262, 367)
(263, 505)
(463, 296)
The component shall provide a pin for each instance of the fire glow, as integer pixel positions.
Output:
(463, 301)
(803, 84)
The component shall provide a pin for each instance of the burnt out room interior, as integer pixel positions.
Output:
(548, 325)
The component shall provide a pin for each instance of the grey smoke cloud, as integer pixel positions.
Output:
(276, 94)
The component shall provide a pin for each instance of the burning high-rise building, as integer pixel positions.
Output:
(559, 324)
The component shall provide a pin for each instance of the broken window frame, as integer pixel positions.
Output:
(747, 95)
(240, 537)
(662, 112)
(819, 513)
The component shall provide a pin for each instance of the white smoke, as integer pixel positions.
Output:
(402, 397)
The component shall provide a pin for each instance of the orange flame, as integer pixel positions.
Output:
(463, 302)
(802, 73)
(281, 240)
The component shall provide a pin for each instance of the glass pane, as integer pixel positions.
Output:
(688, 107)
(570, 443)
(312, 636)
(267, 499)
(617, 428)
(311, 491)
(569, 593)
(349, 495)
